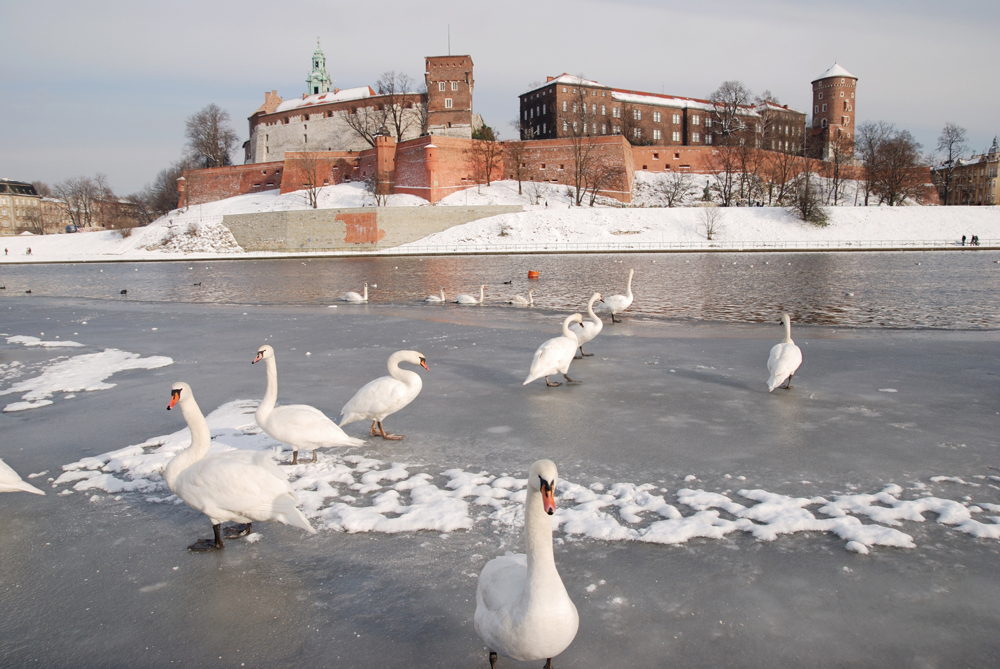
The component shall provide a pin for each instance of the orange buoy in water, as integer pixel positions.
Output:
(532, 274)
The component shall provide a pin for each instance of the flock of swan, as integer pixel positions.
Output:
(523, 610)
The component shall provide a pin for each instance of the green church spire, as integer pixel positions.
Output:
(318, 80)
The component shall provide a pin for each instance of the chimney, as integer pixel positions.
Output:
(548, 79)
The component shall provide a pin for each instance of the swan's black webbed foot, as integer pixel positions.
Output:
(493, 659)
(238, 530)
(205, 545)
(552, 384)
(614, 320)
(569, 380)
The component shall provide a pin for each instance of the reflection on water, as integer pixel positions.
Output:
(897, 290)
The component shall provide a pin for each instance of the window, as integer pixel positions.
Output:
(565, 126)
(543, 108)
(821, 95)
(615, 130)
(677, 119)
(656, 156)
(637, 114)
(656, 117)
(695, 120)
(708, 138)
(544, 128)
(454, 85)
(695, 137)
(636, 133)
(525, 114)
(846, 120)
(604, 110)
(708, 122)
(676, 136)
(604, 128)
(616, 112)
(841, 93)
(656, 135)
(575, 108)
(824, 107)
(447, 103)
(823, 122)
(440, 85)
(532, 115)
(816, 109)
(564, 89)
(564, 103)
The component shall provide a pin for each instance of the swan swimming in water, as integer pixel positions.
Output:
(238, 486)
(465, 298)
(555, 355)
(522, 608)
(386, 395)
(785, 358)
(10, 481)
(298, 425)
(587, 330)
(616, 304)
(351, 296)
(435, 298)
(521, 302)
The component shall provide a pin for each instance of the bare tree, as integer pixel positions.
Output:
(400, 114)
(536, 191)
(675, 188)
(840, 156)
(579, 128)
(602, 172)
(631, 124)
(870, 137)
(951, 145)
(711, 221)
(514, 155)
(313, 176)
(210, 138)
(379, 185)
(484, 156)
(724, 162)
(366, 120)
(779, 171)
(729, 107)
(899, 177)
(42, 188)
(80, 196)
(808, 202)
(32, 219)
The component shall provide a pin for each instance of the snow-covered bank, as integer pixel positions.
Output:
(552, 225)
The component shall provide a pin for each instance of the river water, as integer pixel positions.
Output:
(946, 289)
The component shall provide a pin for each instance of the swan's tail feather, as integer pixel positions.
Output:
(285, 511)
(774, 382)
(24, 486)
(349, 418)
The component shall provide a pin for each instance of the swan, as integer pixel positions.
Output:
(469, 299)
(435, 298)
(11, 482)
(521, 302)
(351, 296)
(522, 608)
(616, 304)
(386, 395)
(239, 486)
(555, 355)
(785, 358)
(587, 330)
(298, 425)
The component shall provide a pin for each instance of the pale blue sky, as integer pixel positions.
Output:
(106, 86)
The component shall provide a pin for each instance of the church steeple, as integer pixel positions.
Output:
(318, 80)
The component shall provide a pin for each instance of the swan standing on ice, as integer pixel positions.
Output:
(555, 355)
(238, 486)
(351, 296)
(587, 330)
(435, 298)
(522, 608)
(298, 425)
(521, 302)
(465, 298)
(616, 304)
(386, 395)
(11, 482)
(785, 358)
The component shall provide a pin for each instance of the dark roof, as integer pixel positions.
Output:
(16, 187)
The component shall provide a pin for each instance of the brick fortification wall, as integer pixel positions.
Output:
(218, 183)
(364, 228)
(553, 161)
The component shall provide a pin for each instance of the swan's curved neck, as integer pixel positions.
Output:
(788, 331)
(566, 331)
(365, 296)
(271, 392)
(482, 294)
(590, 309)
(405, 375)
(538, 540)
(628, 286)
(531, 298)
(442, 294)
(201, 441)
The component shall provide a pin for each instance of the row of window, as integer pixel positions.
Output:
(441, 85)
(820, 95)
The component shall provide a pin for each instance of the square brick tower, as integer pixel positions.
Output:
(449, 95)
(833, 110)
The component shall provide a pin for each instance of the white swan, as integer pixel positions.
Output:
(351, 296)
(522, 608)
(465, 298)
(587, 330)
(616, 304)
(435, 298)
(521, 302)
(298, 425)
(386, 395)
(239, 486)
(785, 358)
(555, 355)
(11, 482)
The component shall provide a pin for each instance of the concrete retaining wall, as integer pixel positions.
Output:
(361, 229)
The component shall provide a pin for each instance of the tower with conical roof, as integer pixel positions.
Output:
(318, 80)
(833, 110)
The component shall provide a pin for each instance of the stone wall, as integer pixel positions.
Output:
(361, 229)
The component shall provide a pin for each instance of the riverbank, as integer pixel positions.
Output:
(845, 521)
(553, 226)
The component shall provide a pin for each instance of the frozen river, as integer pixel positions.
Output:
(949, 289)
(702, 521)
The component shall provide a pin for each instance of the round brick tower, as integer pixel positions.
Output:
(833, 110)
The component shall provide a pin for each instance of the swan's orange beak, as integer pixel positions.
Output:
(260, 355)
(548, 497)
(423, 363)
(175, 395)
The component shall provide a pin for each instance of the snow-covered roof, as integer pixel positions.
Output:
(835, 71)
(661, 100)
(327, 98)
(567, 79)
(777, 107)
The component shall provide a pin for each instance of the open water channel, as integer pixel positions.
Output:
(951, 290)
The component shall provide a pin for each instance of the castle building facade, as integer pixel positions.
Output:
(971, 182)
(333, 119)
(833, 112)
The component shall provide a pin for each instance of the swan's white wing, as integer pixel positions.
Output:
(307, 427)
(501, 583)
(377, 399)
(553, 356)
(785, 358)
(615, 304)
(10, 481)
(586, 331)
